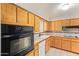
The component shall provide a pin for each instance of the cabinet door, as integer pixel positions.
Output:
(58, 43)
(46, 25)
(37, 24)
(8, 13)
(22, 17)
(52, 42)
(30, 53)
(66, 45)
(66, 22)
(42, 48)
(36, 49)
(57, 26)
(74, 22)
(75, 47)
(52, 26)
(47, 45)
(31, 19)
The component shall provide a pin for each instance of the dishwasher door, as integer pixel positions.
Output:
(42, 48)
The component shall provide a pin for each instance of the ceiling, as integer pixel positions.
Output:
(50, 11)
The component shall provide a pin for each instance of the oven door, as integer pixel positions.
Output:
(22, 45)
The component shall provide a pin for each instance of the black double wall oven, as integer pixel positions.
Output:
(16, 40)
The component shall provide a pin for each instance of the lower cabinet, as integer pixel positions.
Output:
(47, 44)
(52, 41)
(61, 42)
(66, 44)
(75, 47)
(36, 50)
(58, 42)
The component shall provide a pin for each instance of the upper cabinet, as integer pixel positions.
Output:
(57, 26)
(65, 22)
(74, 22)
(22, 17)
(8, 13)
(52, 26)
(31, 19)
(37, 24)
(46, 25)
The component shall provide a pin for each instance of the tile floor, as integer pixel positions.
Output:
(58, 52)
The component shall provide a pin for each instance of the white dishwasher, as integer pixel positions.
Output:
(42, 48)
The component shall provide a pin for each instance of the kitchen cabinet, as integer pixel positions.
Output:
(52, 41)
(75, 45)
(58, 42)
(22, 17)
(52, 26)
(31, 19)
(31, 53)
(74, 22)
(57, 26)
(65, 22)
(8, 13)
(47, 44)
(46, 25)
(37, 24)
(36, 50)
(66, 44)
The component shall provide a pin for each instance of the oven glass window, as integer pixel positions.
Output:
(20, 45)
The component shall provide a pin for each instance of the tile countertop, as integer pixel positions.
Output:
(38, 39)
(41, 38)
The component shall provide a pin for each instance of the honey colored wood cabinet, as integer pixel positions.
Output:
(75, 45)
(8, 13)
(74, 22)
(52, 26)
(22, 17)
(52, 41)
(31, 19)
(66, 44)
(57, 26)
(47, 44)
(37, 24)
(36, 50)
(65, 22)
(46, 25)
(58, 42)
